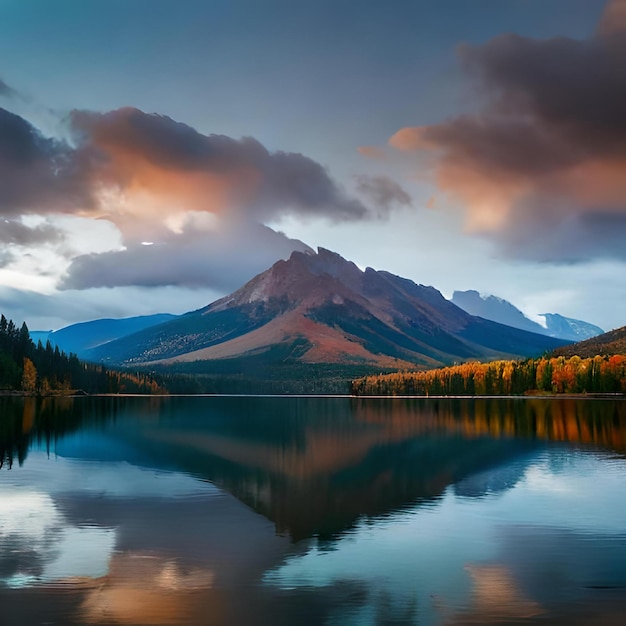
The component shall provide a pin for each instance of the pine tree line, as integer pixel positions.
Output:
(39, 369)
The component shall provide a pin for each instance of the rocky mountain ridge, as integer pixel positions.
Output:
(321, 308)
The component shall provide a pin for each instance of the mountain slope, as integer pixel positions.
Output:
(320, 308)
(613, 342)
(82, 337)
(499, 310)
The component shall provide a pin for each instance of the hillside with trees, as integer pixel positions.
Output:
(611, 343)
(557, 374)
(38, 369)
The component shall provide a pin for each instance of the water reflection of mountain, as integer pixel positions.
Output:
(314, 466)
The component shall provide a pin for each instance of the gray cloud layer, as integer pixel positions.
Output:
(17, 233)
(219, 260)
(37, 174)
(542, 167)
(383, 193)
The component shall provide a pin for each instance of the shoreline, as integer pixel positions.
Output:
(543, 396)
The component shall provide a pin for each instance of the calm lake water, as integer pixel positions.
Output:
(312, 511)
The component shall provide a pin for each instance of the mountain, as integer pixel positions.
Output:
(80, 338)
(570, 328)
(495, 309)
(499, 310)
(322, 309)
(613, 342)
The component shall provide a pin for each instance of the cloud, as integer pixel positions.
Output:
(383, 193)
(371, 152)
(6, 258)
(162, 181)
(613, 19)
(37, 174)
(141, 165)
(56, 310)
(132, 168)
(541, 168)
(222, 259)
(17, 233)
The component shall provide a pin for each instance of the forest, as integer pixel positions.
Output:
(44, 370)
(557, 374)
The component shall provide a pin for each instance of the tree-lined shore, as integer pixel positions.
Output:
(552, 375)
(45, 370)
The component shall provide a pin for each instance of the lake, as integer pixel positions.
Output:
(241, 510)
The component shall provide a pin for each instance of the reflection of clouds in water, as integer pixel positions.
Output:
(144, 589)
(539, 480)
(80, 552)
(38, 545)
(497, 597)
(424, 553)
(405, 561)
(573, 493)
(60, 475)
(29, 514)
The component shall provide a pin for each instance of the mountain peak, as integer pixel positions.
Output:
(327, 262)
(317, 307)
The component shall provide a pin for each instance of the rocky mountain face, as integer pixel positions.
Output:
(321, 308)
(499, 310)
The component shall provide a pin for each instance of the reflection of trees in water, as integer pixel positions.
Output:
(599, 422)
(315, 466)
(42, 421)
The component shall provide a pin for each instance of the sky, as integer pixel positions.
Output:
(155, 155)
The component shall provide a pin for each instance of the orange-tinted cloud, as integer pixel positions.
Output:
(613, 19)
(541, 169)
(143, 164)
(162, 181)
(371, 152)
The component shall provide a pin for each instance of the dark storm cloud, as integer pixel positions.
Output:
(129, 147)
(222, 260)
(17, 233)
(37, 174)
(383, 193)
(542, 167)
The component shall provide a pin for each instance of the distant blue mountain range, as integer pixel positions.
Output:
(80, 338)
(499, 310)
